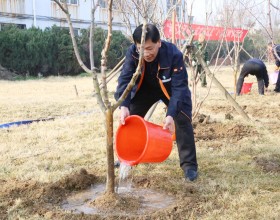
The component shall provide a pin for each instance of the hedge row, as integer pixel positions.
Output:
(50, 51)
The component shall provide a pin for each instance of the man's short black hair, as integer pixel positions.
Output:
(151, 34)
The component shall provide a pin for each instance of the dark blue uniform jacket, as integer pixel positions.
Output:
(171, 72)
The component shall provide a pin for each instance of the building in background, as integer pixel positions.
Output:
(46, 13)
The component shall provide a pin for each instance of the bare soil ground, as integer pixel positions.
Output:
(43, 163)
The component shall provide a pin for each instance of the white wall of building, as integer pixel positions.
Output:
(47, 13)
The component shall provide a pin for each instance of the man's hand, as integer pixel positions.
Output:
(276, 68)
(169, 124)
(124, 113)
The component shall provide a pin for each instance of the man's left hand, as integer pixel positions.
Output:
(169, 124)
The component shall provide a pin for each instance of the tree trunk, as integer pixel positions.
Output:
(110, 184)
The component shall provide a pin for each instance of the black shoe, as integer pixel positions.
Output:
(191, 174)
(117, 164)
(276, 90)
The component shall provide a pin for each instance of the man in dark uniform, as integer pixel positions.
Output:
(275, 50)
(255, 67)
(164, 77)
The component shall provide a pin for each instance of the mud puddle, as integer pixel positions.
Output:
(148, 201)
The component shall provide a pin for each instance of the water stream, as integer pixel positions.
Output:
(125, 179)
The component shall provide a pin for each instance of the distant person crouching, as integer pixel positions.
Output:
(255, 67)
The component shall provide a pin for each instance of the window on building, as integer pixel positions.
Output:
(190, 19)
(19, 26)
(172, 3)
(77, 31)
(71, 2)
(102, 4)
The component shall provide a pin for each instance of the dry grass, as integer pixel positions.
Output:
(233, 180)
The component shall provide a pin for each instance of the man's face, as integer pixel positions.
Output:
(201, 38)
(150, 50)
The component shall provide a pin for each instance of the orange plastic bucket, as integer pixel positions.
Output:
(140, 141)
(246, 88)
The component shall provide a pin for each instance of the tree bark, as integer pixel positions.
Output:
(110, 184)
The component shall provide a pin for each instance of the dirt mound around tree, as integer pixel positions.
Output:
(6, 74)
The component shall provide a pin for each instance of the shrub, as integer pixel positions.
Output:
(50, 51)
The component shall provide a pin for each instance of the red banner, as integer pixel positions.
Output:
(211, 32)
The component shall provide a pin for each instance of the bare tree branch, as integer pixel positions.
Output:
(269, 19)
(274, 6)
(104, 54)
(91, 33)
(64, 8)
(253, 14)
